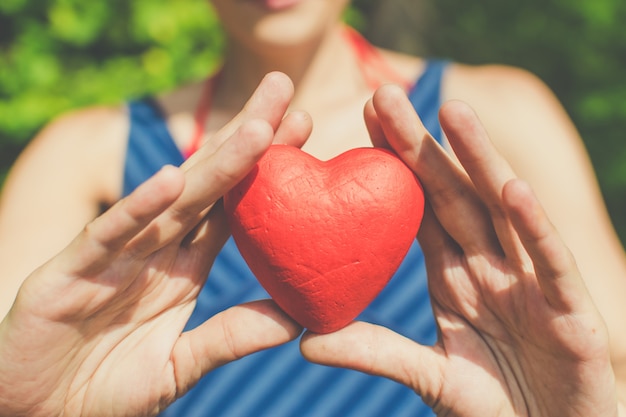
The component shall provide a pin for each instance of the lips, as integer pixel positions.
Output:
(277, 5)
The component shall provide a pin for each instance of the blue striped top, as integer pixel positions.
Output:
(278, 382)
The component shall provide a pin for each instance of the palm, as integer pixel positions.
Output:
(498, 329)
(125, 328)
(122, 314)
(122, 322)
(134, 361)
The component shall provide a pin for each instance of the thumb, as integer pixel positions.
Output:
(230, 335)
(379, 351)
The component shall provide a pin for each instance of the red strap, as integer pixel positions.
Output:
(376, 71)
(375, 67)
(201, 115)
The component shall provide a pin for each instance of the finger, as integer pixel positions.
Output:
(205, 241)
(104, 237)
(379, 351)
(218, 173)
(471, 144)
(206, 182)
(269, 102)
(294, 130)
(435, 242)
(488, 170)
(441, 253)
(448, 188)
(211, 234)
(228, 336)
(553, 262)
(374, 129)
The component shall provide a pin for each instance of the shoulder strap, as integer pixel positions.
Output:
(426, 96)
(150, 144)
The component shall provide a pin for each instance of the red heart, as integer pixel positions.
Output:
(324, 238)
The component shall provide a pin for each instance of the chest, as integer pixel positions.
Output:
(337, 129)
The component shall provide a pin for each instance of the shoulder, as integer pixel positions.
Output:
(94, 132)
(100, 121)
(517, 107)
(89, 141)
(494, 86)
(83, 131)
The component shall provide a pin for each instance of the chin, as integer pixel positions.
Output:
(286, 33)
(276, 5)
(278, 23)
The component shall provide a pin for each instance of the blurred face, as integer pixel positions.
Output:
(278, 22)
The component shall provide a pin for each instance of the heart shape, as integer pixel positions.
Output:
(324, 238)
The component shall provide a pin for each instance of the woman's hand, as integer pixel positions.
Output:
(98, 330)
(519, 333)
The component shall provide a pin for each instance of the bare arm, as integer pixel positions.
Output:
(56, 186)
(532, 130)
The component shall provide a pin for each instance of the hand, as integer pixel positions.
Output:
(98, 330)
(519, 333)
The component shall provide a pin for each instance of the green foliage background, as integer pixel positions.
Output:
(57, 55)
(578, 47)
(60, 54)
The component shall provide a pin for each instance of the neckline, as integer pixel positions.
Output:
(375, 69)
(203, 109)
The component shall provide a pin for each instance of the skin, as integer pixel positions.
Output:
(44, 203)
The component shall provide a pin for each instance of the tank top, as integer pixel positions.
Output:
(279, 382)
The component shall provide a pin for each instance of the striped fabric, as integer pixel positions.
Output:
(279, 382)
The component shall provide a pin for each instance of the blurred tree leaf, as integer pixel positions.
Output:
(56, 55)
(578, 47)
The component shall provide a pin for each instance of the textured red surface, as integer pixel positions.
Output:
(324, 238)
